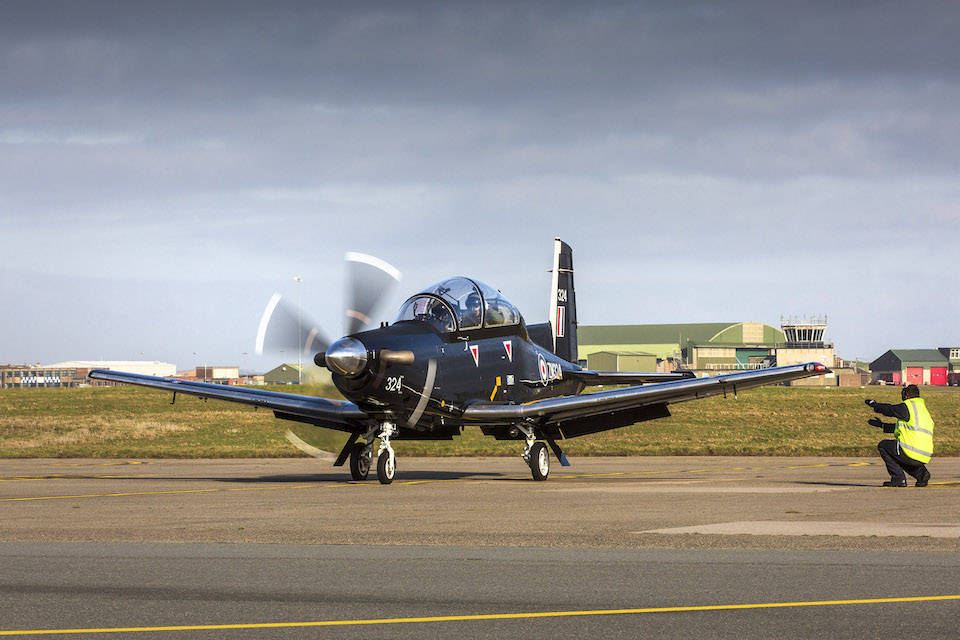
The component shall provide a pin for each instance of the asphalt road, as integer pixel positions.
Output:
(618, 547)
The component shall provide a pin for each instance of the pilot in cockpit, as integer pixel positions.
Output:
(441, 317)
(471, 317)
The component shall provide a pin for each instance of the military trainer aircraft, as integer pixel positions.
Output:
(459, 355)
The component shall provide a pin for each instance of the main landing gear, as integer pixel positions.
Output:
(536, 455)
(361, 455)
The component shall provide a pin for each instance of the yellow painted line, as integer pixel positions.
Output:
(492, 616)
(92, 464)
(414, 482)
(96, 464)
(810, 466)
(158, 493)
(75, 477)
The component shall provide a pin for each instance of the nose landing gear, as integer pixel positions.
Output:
(386, 460)
(361, 455)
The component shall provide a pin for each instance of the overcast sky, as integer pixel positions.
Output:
(165, 167)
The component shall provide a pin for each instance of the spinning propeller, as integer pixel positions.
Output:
(285, 328)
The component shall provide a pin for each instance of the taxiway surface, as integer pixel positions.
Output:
(769, 503)
(619, 547)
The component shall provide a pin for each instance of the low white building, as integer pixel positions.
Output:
(143, 367)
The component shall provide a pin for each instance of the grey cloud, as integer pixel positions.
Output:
(667, 142)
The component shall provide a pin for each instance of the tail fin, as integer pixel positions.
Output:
(563, 303)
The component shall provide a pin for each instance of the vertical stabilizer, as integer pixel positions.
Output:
(563, 303)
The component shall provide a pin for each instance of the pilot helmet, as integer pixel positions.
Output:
(473, 301)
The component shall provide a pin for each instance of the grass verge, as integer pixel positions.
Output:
(131, 422)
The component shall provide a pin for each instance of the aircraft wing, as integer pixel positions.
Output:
(334, 414)
(633, 401)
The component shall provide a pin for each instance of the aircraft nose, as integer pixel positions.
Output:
(347, 356)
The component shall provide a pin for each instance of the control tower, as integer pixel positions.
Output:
(805, 344)
(804, 334)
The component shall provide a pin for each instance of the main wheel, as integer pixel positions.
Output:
(386, 468)
(539, 461)
(360, 461)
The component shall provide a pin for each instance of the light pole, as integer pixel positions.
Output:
(298, 279)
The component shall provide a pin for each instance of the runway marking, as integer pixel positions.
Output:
(74, 477)
(91, 464)
(950, 530)
(406, 482)
(157, 493)
(492, 616)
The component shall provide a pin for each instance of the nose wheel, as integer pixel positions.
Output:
(386, 467)
(386, 461)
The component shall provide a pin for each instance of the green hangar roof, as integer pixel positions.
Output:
(702, 333)
(900, 358)
(664, 339)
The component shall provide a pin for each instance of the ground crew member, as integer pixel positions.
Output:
(913, 446)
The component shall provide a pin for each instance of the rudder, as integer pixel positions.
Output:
(563, 303)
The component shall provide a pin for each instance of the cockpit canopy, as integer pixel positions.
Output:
(460, 304)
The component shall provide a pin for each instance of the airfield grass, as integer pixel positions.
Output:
(132, 422)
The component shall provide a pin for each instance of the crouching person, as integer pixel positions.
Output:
(913, 446)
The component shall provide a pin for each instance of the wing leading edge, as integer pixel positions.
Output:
(630, 399)
(334, 414)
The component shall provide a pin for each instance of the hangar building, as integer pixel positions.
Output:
(74, 373)
(707, 348)
(918, 366)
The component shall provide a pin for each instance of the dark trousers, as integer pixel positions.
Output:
(897, 462)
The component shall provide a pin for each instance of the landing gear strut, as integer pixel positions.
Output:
(535, 455)
(386, 460)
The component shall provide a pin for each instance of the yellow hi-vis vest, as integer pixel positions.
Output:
(916, 434)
